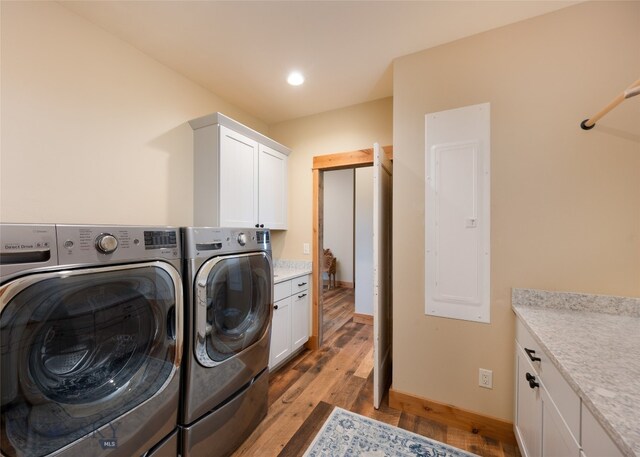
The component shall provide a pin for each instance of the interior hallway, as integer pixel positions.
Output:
(338, 306)
(304, 391)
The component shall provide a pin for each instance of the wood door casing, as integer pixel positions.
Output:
(352, 159)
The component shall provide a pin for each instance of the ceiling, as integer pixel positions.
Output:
(243, 50)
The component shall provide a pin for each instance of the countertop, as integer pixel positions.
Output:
(283, 270)
(594, 341)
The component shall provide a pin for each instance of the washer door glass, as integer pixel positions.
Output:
(238, 303)
(79, 350)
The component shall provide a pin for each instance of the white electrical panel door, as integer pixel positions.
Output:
(238, 179)
(457, 222)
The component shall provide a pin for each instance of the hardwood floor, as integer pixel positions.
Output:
(338, 308)
(304, 391)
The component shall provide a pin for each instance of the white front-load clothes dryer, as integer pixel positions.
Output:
(229, 297)
(91, 340)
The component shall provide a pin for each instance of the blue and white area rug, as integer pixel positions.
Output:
(348, 434)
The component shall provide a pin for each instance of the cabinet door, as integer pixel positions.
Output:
(299, 318)
(238, 179)
(595, 441)
(528, 417)
(280, 332)
(557, 440)
(272, 206)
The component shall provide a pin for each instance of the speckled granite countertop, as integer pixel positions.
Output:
(594, 341)
(283, 270)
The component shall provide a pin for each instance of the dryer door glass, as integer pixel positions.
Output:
(79, 350)
(238, 304)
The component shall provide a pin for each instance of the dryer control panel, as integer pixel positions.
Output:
(108, 244)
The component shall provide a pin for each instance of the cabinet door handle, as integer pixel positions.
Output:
(302, 284)
(257, 225)
(530, 353)
(275, 306)
(303, 295)
(532, 381)
(261, 225)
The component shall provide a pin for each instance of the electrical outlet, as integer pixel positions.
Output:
(305, 248)
(485, 379)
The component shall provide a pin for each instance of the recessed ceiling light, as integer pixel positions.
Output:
(295, 78)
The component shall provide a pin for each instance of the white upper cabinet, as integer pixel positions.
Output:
(272, 188)
(238, 179)
(240, 176)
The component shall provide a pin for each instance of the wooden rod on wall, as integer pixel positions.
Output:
(632, 90)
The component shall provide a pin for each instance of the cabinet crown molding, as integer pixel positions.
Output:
(221, 119)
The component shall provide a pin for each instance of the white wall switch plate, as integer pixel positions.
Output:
(305, 248)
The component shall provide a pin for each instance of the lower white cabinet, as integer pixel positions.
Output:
(550, 418)
(290, 324)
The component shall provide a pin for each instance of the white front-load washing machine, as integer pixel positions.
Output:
(91, 340)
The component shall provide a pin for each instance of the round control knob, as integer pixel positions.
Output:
(106, 243)
(242, 239)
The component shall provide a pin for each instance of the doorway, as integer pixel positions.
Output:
(382, 262)
(347, 248)
(322, 164)
(338, 265)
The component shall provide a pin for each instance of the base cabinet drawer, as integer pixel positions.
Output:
(300, 284)
(281, 290)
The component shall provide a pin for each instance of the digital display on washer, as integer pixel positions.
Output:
(262, 236)
(155, 239)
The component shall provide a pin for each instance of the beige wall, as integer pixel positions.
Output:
(565, 203)
(93, 131)
(338, 220)
(346, 129)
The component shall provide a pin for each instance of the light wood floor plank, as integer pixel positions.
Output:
(366, 365)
